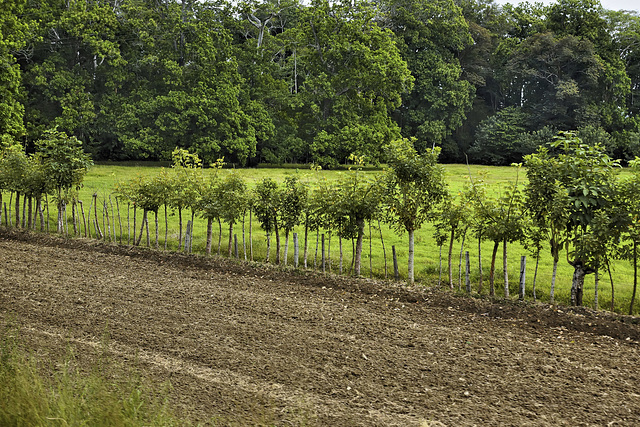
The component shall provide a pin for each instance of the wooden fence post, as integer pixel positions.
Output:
(523, 273)
(396, 273)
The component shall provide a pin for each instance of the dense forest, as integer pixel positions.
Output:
(282, 81)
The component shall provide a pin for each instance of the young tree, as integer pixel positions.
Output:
(570, 182)
(231, 193)
(292, 202)
(414, 185)
(266, 208)
(65, 163)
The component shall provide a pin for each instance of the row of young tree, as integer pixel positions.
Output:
(287, 81)
(573, 199)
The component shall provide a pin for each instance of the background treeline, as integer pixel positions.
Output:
(280, 81)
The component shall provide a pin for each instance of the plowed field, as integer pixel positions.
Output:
(246, 344)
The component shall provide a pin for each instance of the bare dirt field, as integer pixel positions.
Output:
(246, 344)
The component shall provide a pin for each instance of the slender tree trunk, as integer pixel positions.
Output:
(341, 253)
(384, 251)
(209, 235)
(370, 253)
(30, 216)
(360, 240)
(219, 236)
(613, 294)
(315, 258)
(464, 235)
(577, 284)
(146, 226)
(268, 248)
(635, 276)
(277, 231)
(17, 207)
(595, 294)
(166, 227)
(119, 219)
(144, 219)
(492, 272)
(353, 257)
(155, 219)
(505, 269)
(106, 210)
(41, 214)
(244, 242)
(451, 239)
(480, 263)
(230, 237)
(440, 265)
(535, 276)
(552, 293)
(411, 253)
(286, 246)
(24, 210)
(180, 227)
(329, 252)
(306, 240)
(46, 200)
(250, 234)
(99, 234)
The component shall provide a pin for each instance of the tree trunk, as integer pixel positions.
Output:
(268, 248)
(464, 235)
(384, 251)
(552, 292)
(535, 275)
(209, 235)
(244, 242)
(341, 253)
(30, 216)
(286, 246)
(577, 284)
(315, 258)
(358, 257)
(451, 239)
(24, 209)
(635, 276)
(219, 235)
(119, 219)
(504, 267)
(155, 218)
(179, 227)
(410, 278)
(492, 272)
(166, 227)
(440, 265)
(251, 235)
(306, 240)
(41, 215)
(17, 209)
(230, 238)
(277, 231)
(480, 263)
(144, 217)
(595, 294)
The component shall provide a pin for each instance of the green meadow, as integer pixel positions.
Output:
(377, 249)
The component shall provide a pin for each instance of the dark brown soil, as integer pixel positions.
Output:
(248, 344)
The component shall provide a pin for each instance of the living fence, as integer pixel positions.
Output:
(111, 219)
